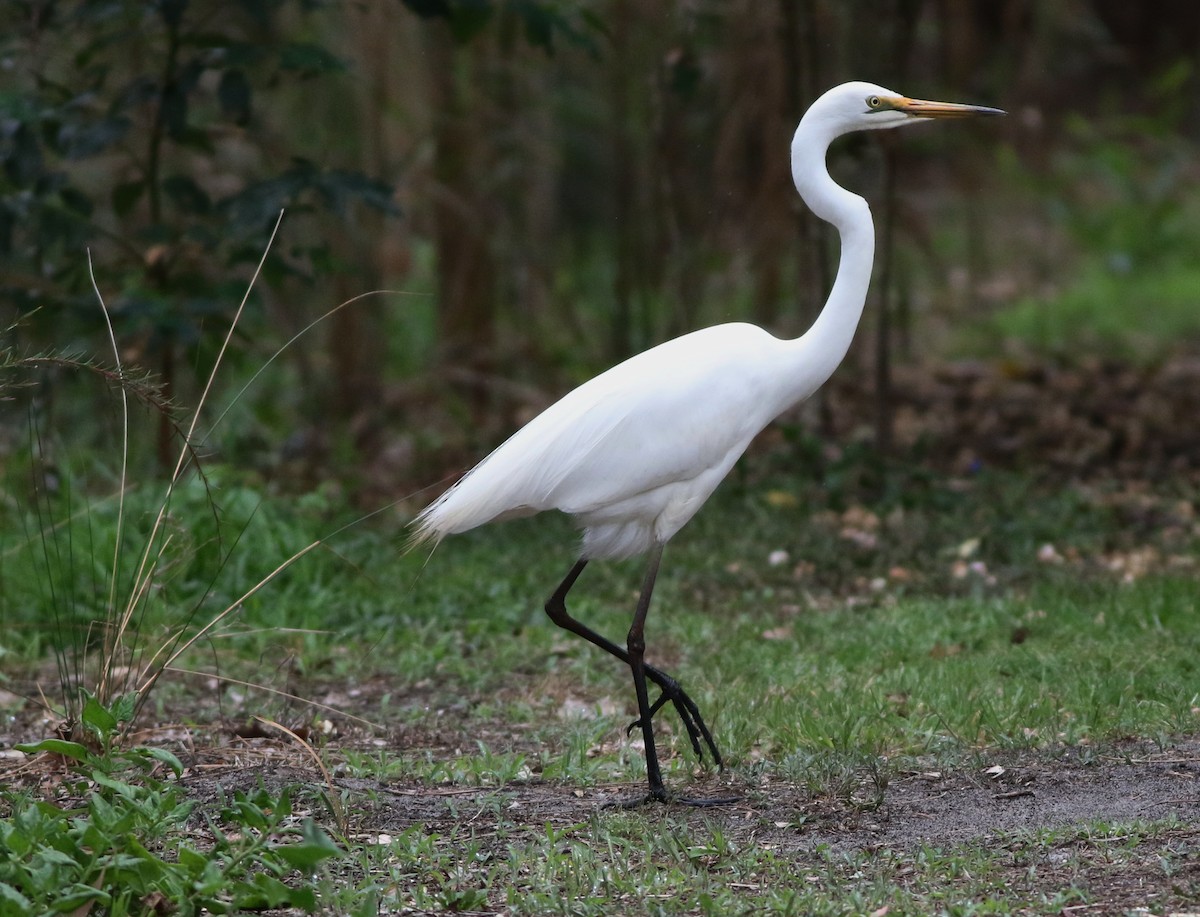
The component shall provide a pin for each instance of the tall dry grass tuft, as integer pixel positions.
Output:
(126, 664)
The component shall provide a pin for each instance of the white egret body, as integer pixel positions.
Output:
(635, 452)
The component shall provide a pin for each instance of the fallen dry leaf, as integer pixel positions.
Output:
(781, 499)
(944, 650)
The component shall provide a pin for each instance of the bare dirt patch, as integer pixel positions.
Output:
(1003, 807)
(1001, 804)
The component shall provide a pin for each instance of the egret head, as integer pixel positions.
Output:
(864, 106)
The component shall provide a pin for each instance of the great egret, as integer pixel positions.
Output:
(633, 453)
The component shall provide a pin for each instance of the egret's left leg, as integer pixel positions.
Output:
(689, 713)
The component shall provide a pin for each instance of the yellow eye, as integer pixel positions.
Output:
(874, 102)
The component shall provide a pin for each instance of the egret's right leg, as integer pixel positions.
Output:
(689, 713)
(636, 647)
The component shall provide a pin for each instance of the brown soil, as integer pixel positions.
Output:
(918, 809)
(995, 806)
(993, 803)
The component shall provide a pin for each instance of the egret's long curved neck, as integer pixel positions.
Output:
(822, 347)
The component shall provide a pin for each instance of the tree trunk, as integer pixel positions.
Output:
(625, 243)
(466, 268)
(904, 19)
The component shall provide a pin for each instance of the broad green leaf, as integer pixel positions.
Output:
(124, 707)
(166, 757)
(98, 717)
(57, 747)
(56, 857)
(192, 860)
(266, 891)
(81, 141)
(119, 787)
(76, 895)
(187, 195)
(316, 846)
(11, 898)
(126, 195)
(75, 200)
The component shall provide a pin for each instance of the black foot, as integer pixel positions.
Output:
(688, 712)
(666, 798)
(706, 802)
(637, 802)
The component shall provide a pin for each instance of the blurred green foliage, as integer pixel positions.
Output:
(1118, 188)
(134, 128)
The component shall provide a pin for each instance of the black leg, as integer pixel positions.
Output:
(689, 713)
(636, 645)
(687, 710)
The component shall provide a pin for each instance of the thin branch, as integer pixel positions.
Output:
(279, 692)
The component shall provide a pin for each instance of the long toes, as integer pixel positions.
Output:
(694, 734)
(705, 803)
(662, 796)
(690, 725)
(638, 801)
(688, 712)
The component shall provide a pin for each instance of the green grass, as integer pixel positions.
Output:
(947, 632)
(1024, 654)
(115, 838)
(1105, 310)
(660, 864)
(911, 626)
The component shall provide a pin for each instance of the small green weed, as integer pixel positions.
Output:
(116, 841)
(651, 862)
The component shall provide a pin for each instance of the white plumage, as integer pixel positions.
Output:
(597, 454)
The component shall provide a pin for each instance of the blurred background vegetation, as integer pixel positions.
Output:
(539, 189)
